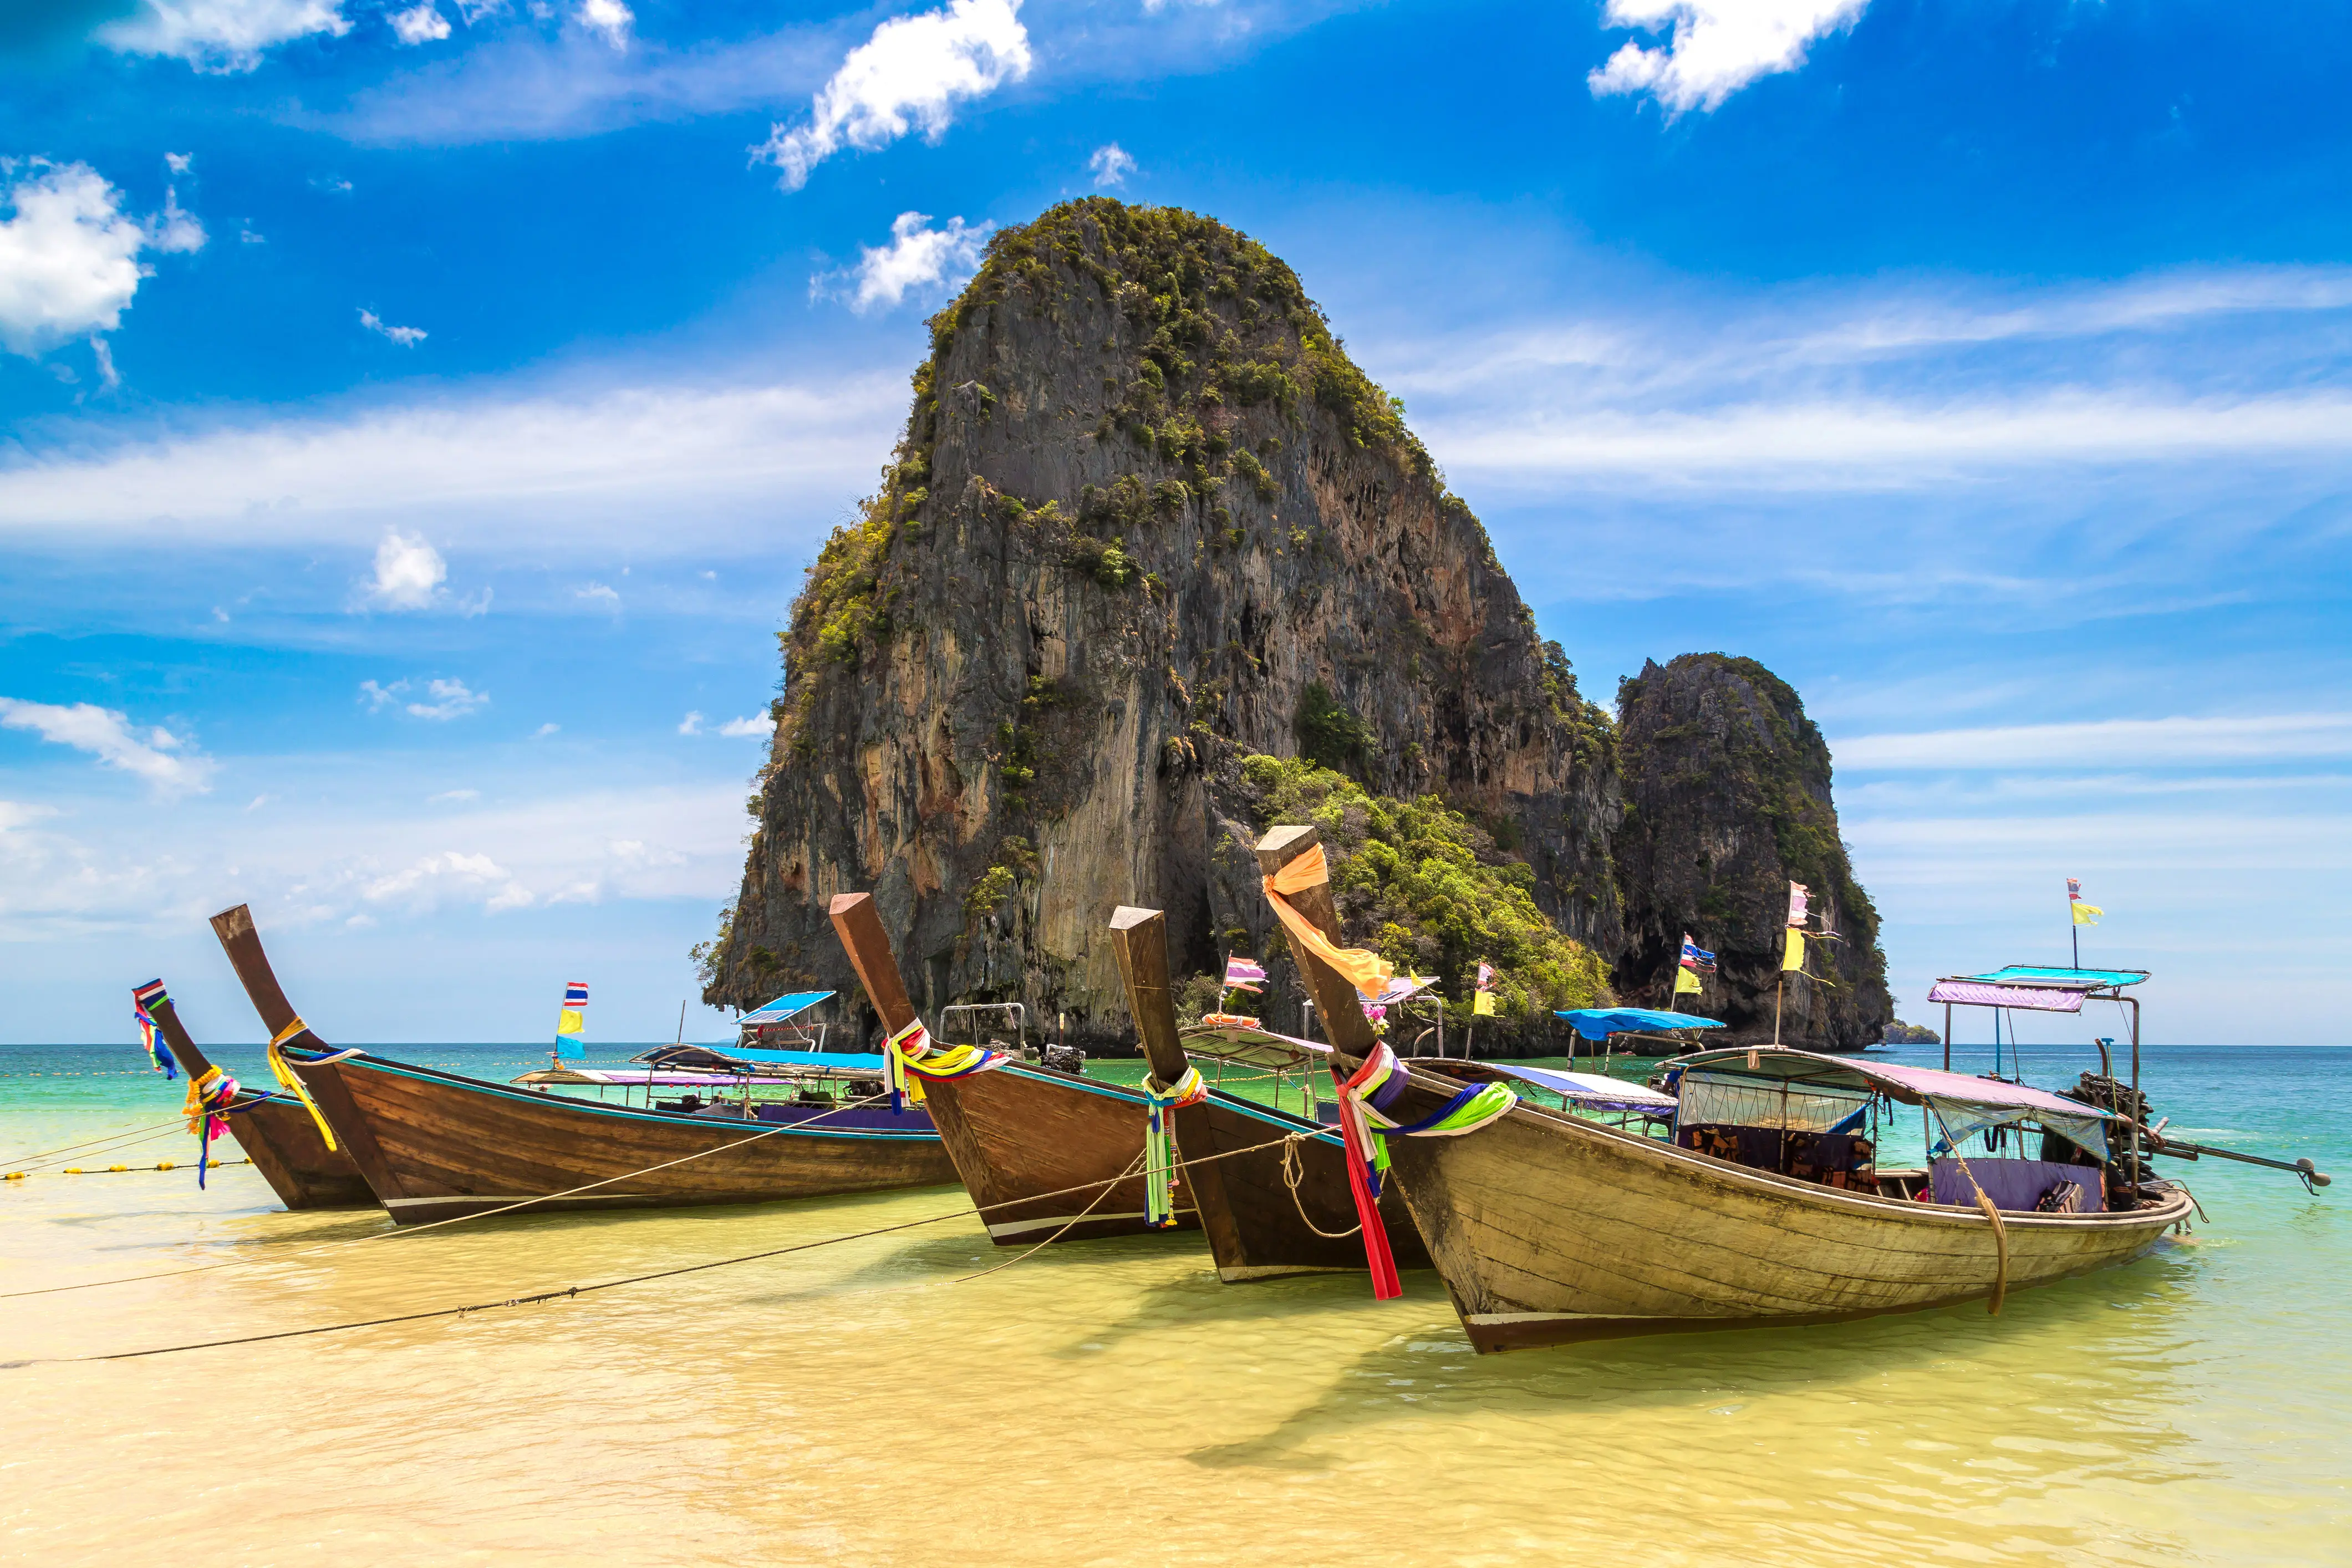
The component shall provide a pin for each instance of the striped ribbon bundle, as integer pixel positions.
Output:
(909, 1056)
(206, 1109)
(288, 1080)
(1366, 1127)
(151, 1034)
(1159, 1143)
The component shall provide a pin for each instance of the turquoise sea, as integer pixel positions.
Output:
(884, 1400)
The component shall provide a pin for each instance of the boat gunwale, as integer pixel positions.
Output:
(1870, 1203)
(394, 1068)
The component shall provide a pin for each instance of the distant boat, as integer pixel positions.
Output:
(434, 1145)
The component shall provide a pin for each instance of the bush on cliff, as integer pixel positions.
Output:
(1424, 885)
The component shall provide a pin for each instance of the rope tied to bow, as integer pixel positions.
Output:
(909, 1056)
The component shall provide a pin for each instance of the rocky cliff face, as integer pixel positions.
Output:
(1146, 520)
(1727, 800)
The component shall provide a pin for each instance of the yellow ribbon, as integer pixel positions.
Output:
(1369, 972)
(287, 1081)
(195, 1106)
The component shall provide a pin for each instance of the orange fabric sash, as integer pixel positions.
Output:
(1369, 972)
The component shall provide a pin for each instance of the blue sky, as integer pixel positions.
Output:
(417, 418)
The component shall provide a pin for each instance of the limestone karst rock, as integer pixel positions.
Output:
(1146, 520)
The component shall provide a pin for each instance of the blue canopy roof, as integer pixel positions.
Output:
(841, 1061)
(783, 1007)
(2066, 979)
(1600, 1023)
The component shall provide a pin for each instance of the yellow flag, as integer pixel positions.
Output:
(1684, 981)
(1482, 1004)
(2086, 914)
(1793, 956)
(569, 1023)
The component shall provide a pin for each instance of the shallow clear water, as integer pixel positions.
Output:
(1111, 1402)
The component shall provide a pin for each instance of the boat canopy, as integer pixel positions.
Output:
(784, 1007)
(1600, 1023)
(719, 1058)
(1591, 1089)
(634, 1077)
(2032, 988)
(1841, 1086)
(1250, 1046)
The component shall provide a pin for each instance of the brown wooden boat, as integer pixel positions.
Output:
(276, 1134)
(1035, 1147)
(1261, 1220)
(434, 1145)
(1548, 1229)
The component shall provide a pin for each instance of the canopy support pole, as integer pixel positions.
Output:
(1948, 1036)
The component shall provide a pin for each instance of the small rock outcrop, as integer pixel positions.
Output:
(1727, 802)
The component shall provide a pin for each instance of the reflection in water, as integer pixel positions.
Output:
(1111, 1402)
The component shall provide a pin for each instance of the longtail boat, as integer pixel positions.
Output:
(1046, 1155)
(434, 1145)
(281, 1137)
(1764, 1208)
(1271, 1187)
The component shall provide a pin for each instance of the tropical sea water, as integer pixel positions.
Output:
(885, 1399)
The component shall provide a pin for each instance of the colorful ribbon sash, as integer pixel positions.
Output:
(151, 1034)
(206, 1109)
(1366, 1127)
(1369, 972)
(1159, 1143)
(909, 1056)
(288, 1080)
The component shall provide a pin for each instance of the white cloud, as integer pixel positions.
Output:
(102, 354)
(532, 471)
(420, 23)
(909, 75)
(455, 795)
(406, 337)
(179, 162)
(609, 19)
(221, 35)
(917, 258)
(740, 727)
(448, 698)
(408, 572)
(691, 725)
(1110, 165)
(69, 256)
(2106, 743)
(1719, 46)
(598, 594)
(157, 756)
(450, 877)
(545, 729)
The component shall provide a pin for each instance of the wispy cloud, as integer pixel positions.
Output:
(909, 76)
(537, 471)
(154, 755)
(742, 728)
(420, 23)
(408, 572)
(691, 725)
(2106, 743)
(406, 337)
(439, 700)
(1719, 46)
(1110, 165)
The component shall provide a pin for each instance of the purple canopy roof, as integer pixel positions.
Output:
(1908, 1084)
(1976, 994)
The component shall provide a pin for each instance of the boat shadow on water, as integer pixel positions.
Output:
(2107, 1338)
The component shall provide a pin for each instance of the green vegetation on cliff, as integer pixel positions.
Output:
(1426, 886)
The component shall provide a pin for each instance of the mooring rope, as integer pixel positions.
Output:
(1292, 1174)
(436, 1225)
(90, 1148)
(1106, 1184)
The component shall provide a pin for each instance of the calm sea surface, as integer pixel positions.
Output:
(1111, 1402)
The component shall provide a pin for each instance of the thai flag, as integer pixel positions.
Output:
(1241, 974)
(1485, 976)
(2073, 890)
(576, 993)
(1697, 959)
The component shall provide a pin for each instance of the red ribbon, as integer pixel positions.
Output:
(1386, 1286)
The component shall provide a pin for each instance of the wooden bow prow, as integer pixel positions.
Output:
(1139, 939)
(859, 925)
(242, 945)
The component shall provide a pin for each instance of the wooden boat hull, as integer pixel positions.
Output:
(1017, 1133)
(280, 1138)
(434, 1145)
(1258, 1225)
(1549, 1230)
